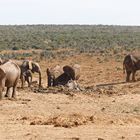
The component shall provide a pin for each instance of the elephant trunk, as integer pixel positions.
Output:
(123, 68)
(2, 85)
(39, 78)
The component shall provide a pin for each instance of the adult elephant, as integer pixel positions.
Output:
(9, 76)
(26, 65)
(131, 64)
(62, 75)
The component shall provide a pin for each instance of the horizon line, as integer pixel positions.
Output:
(37, 24)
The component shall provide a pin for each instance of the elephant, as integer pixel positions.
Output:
(2, 61)
(52, 73)
(26, 65)
(77, 70)
(9, 76)
(131, 64)
(28, 77)
(61, 75)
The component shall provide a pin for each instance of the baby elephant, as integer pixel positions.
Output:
(28, 77)
(9, 76)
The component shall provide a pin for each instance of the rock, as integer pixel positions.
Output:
(100, 139)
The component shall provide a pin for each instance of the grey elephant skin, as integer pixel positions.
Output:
(9, 76)
(28, 77)
(131, 64)
(61, 75)
(26, 65)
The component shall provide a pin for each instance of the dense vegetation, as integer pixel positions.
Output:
(80, 38)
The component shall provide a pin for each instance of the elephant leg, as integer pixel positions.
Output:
(7, 92)
(14, 89)
(22, 81)
(2, 89)
(128, 76)
(28, 81)
(133, 76)
(14, 92)
(1, 94)
(49, 82)
(31, 79)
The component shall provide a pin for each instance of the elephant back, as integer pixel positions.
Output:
(11, 68)
(77, 69)
(56, 71)
(130, 62)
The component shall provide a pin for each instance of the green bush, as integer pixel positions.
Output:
(82, 38)
(15, 48)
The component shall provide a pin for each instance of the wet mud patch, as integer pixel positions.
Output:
(56, 90)
(88, 90)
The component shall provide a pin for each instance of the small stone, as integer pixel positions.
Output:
(103, 109)
(58, 107)
(100, 139)
(123, 137)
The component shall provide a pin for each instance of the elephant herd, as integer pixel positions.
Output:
(13, 70)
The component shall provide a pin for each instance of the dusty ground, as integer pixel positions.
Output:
(106, 109)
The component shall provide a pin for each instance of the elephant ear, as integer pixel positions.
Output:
(69, 71)
(37, 66)
(30, 65)
(2, 74)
